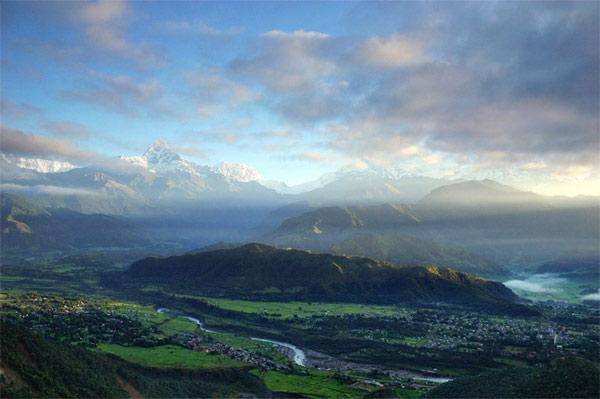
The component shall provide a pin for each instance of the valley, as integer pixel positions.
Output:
(318, 349)
(351, 301)
(301, 199)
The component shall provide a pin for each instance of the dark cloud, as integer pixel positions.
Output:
(501, 81)
(18, 143)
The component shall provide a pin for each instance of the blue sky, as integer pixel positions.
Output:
(503, 90)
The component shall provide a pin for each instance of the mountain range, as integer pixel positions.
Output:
(497, 222)
(174, 200)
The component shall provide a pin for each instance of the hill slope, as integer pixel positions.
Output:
(564, 378)
(377, 232)
(402, 249)
(29, 227)
(258, 270)
(36, 367)
(497, 222)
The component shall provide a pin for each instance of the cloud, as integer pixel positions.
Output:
(105, 23)
(480, 86)
(123, 94)
(18, 143)
(287, 61)
(592, 297)
(523, 285)
(200, 28)
(42, 189)
(313, 156)
(10, 109)
(213, 93)
(392, 52)
(300, 71)
(67, 129)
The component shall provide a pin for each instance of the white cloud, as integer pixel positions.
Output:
(105, 23)
(393, 51)
(592, 297)
(528, 286)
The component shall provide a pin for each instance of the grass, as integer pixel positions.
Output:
(312, 385)
(289, 310)
(177, 325)
(169, 356)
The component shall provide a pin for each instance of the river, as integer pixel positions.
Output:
(299, 356)
(320, 360)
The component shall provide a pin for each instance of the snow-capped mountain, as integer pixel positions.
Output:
(237, 172)
(365, 182)
(39, 165)
(161, 158)
(361, 182)
(158, 181)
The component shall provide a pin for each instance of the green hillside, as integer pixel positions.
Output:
(35, 367)
(262, 271)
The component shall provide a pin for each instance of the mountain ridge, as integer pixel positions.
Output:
(265, 272)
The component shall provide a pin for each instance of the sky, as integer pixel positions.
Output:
(471, 90)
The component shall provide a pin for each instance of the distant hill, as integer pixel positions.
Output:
(582, 267)
(371, 186)
(29, 227)
(402, 249)
(33, 367)
(497, 222)
(376, 232)
(263, 271)
(333, 219)
(486, 194)
(567, 377)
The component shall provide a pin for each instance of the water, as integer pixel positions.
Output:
(199, 324)
(299, 355)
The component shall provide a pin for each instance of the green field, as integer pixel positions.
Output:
(312, 385)
(169, 356)
(288, 310)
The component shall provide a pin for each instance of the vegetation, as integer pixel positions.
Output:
(309, 384)
(264, 272)
(169, 356)
(566, 377)
(35, 367)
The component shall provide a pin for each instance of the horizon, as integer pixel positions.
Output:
(353, 167)
(468, 91)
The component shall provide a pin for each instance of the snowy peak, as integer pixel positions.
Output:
(161, 158)
(161, 153)
(237, 171)
(39, 165)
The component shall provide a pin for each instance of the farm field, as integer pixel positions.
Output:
(169, 356)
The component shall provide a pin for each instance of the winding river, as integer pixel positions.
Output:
(300, 357)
